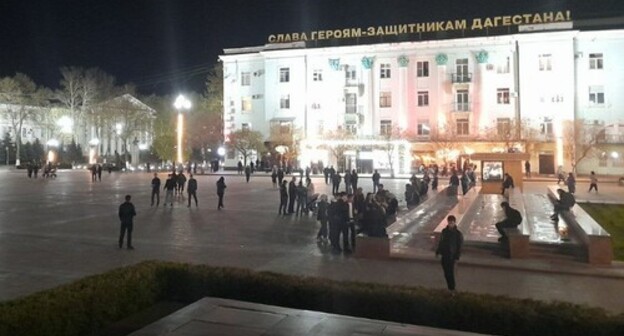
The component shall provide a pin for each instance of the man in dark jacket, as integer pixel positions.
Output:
(292, 195)
(449, 247)
(336, 179)
(283, 199)
(126, 214)
(508, 182)
(169, 187)
(221, 191)
(376, 178)
(192, 190)
(513, 218)
(156, 189)
(565, 202)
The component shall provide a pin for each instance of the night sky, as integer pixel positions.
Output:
(165, 46)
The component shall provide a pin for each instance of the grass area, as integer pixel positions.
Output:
(611, 218)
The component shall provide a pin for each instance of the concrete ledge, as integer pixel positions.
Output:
(462, 207)
(518, 243)
(372, 247)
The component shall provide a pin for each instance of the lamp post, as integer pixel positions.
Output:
(181, 103)
(52, 143)
(7, 156)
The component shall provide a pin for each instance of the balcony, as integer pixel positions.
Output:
(613, 139)
(458, 78)
(461, 107)
(351, 118)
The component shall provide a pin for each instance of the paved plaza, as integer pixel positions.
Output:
(56, 231)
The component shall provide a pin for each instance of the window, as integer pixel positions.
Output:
(503, 126)
(317, 75)
(422, 69)
(351, 128)
(385, 99)
(423, 98)
(502, 96)
(461, 100)
(423, 128)
(385, 127)
(350, 73)
(320, 127)
(462, 126)
(245, 79)
(351, 103)
(596, 95)
(384, 70)
(545, 62)
(246, 126)
(246, 104)
(595, 61)
(284, 75)
(461, 65)
(316, 106)
(503, 67)
(547, 126)
(285, 102)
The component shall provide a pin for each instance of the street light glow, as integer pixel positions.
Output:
(181, 103)
(66, 123)
(52, 143)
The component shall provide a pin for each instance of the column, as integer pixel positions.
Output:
(481, 113)
(370, 118)
(442, 105)
(403, 94)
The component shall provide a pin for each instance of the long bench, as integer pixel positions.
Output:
(518, 238)
(597, 241)
(463, 206)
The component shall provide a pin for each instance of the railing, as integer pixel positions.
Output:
(462, 107)
(351, 109)
(461, 77)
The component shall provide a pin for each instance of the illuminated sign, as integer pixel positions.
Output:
(424, 27)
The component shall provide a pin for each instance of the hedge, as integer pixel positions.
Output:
(90, 304)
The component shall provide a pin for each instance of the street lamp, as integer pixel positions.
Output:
(52, 143)
(181, 103)
(93, 143)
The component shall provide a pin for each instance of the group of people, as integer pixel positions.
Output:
(296, 198)
(32, 170)
(174, 185)
(350, 179)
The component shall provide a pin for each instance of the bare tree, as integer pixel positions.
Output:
(340, 144)
(287, 137)
(581, 140)
(390, 146)
(444, 140)
(246, 142)
(23, 99)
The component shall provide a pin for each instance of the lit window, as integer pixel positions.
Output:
(245, 79)
(503, 126)
(285, 102)
(317, 75)
(351, 128)
(462, 126)
(502, 96)
(595, 61)
(422, 69)
(423, 128)
(596, 95)
(384, 70)
(246, 126)
(423, 98)
(461, 101)
(545, 62)
(385, 99)
(385, 127)
(547, 126)
(246, 104)
(503, 66)
(350, 73)
(284, 75)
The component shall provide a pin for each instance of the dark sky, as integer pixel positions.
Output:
(165, 46)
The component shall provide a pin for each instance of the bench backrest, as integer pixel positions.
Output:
(582, 219)
(460, 209)
(516, 201)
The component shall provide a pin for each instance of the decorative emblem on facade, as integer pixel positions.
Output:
(334, 63)
(482, 57)
(367, 62)
(403, 61)
(441, 59)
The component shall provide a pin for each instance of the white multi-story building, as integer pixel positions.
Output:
(525, 90)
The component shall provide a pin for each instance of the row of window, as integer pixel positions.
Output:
(545, 62)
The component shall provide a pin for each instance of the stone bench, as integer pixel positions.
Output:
(596, 239)
(372, 247)
(464, 205)
(518, 238)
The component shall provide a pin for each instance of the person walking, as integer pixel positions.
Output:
(221, 191)
(274, 177)
(527, 168)
(283, 191)
(571, 183)
(240, 167)
(99, 172)
(169, 188)
(449, 248)
(292, 195)
(593, 182)
(156, 190)
(94, 173)
(513, 218)
(192, 190)
(321, 216)
(336, 178)
(126, 216)
(302, 199)
(560, 175)
(181, 180)
(354, 180)
(376, 178)
(247, 173)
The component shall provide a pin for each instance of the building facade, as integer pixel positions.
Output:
(553, 94)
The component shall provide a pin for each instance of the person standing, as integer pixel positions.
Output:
(449, 248)
(326, 174)
(593, 182)
(376, 178)
(354, 180)
(292, 195)
(240, 167)
(513, 218)
(169, 187)
(283, 198)
(347, 180)
(527, 168)
(251, 168)
(280, 175)
(221, 191)
(508, 182)
(302, 199)
(571, 183)
(126, 215)
(192, 190)
(181, 181)
(321, 216)
(247, 173)
(453, 184)
(94, 173)
(99, 172)
(156, 189)
(336, 178)
(274, 177)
